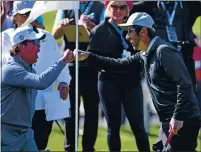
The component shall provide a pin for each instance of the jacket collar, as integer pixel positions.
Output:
(19, 60)
(153, 45)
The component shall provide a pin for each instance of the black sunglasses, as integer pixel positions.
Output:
(121, 7)
(26, 14)
(130, 30)
(35, 42)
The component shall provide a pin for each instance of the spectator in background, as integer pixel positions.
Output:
(48, 50)
(118, 88)
(7, 14)
(6, 18)
(28, 4)
(90, 15)
(197, 56)
(18, 89)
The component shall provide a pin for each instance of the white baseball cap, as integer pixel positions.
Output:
(22, 7)
(25, 33)
(139, 18)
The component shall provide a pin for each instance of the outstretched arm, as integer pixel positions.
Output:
(107, 63)
(17, 76)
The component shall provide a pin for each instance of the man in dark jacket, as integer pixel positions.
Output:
(167, 77)
(174, 17)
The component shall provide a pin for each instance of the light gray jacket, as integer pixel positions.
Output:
(18, 92)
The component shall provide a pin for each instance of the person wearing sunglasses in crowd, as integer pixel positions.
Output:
(167, 77)
(90, 15)
(48, 55)
(117, 89)
(18, 88)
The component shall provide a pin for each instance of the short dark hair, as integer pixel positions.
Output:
(151, 33)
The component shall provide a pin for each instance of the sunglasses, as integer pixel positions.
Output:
(130, 30)
(121, 7)
(26, 14)
(35, 42)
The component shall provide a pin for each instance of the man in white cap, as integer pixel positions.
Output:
(18, 89)
(167, 77)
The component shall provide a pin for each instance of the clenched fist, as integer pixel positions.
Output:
(82, 55)
(68, 56)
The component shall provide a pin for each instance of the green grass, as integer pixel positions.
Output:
(56, 140)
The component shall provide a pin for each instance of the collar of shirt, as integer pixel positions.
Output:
(19, 60)
(150, 45)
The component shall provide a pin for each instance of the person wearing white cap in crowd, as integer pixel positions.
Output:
(24, 8)
(167, 77)
(6, 17)
(18, 89)
(48, 55)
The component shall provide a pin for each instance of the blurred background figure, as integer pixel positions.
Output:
(6, 15)
(118, 88)
(197, 56)
(90, 15)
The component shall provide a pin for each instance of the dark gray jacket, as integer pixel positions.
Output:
(167, 77)
(185, 17)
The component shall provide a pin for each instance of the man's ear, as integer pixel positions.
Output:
(21, 46)
(143, 32)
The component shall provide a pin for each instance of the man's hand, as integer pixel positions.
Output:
(64, 90)
(175, 125)
(68, 56)
(82, 55)
(86, 21)
(66, 22)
